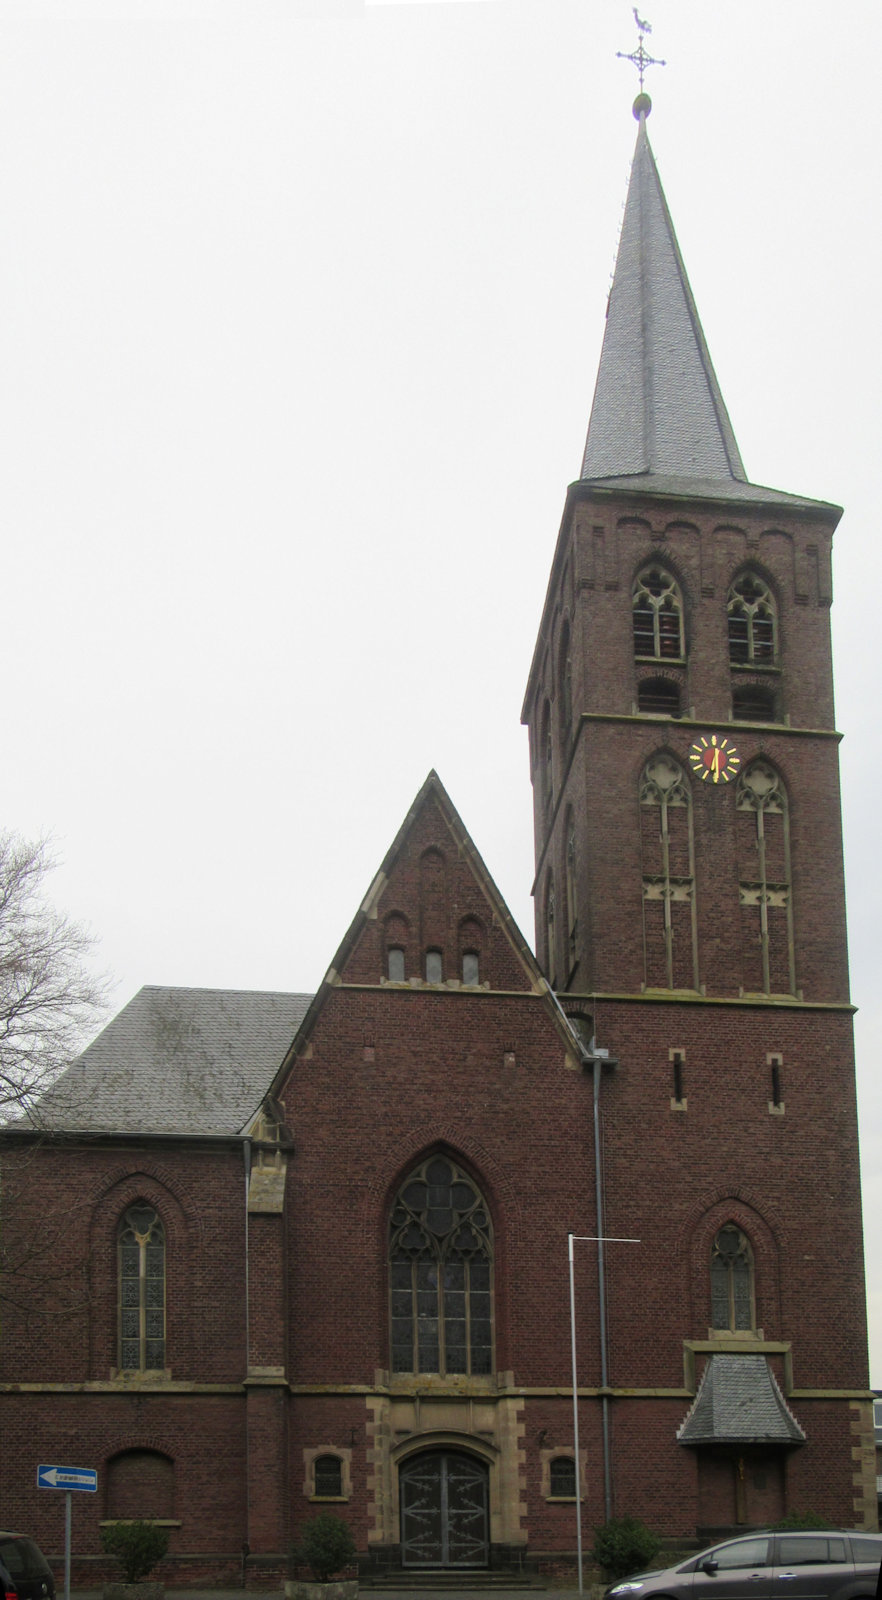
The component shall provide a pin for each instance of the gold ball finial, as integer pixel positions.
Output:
(642, 106)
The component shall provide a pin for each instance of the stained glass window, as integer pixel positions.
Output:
(441, 1251)
(141, 1251)
(732, 1280)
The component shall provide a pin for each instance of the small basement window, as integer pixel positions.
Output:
(562, 1478)
(328, 1473)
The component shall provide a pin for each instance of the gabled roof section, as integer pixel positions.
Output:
(739, 1402)
(177, 1061)
(358, 960)
(657, 405)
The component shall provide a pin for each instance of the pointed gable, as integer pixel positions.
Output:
(434, 898)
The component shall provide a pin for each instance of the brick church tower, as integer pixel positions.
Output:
(690, 901)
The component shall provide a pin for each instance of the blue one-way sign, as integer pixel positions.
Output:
(85, 1478)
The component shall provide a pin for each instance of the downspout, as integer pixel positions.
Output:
(597, 1060)
(597, 1065)
(246, 1161)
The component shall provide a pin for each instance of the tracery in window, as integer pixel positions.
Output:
(658, 615)
(766, 904)
(753, 622)
(441, 1254)
(141, 1256)
(731, 1274)
(670, 942)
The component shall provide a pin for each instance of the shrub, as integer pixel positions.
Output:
(326, 1545)
(800, 1519)
(624, 1545)
(137, 1545)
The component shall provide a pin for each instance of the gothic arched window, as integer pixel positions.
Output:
(753, 621)
(441, 1255)
(658, 616)
(763, 826)
(731, 1273)
(141, 1256)
(669, 926)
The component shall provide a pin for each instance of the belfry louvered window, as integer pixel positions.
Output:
(141, 1254)
(731, 1272)
(658, 616)
(440, 1267)
(752, 621)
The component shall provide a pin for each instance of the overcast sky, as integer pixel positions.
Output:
(302, 302)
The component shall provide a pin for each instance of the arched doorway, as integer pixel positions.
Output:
(444, 1510)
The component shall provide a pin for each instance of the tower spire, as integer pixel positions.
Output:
(658, 410)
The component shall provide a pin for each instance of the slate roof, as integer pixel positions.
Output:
(739, 1402)
(195, 1061)
(658, 420)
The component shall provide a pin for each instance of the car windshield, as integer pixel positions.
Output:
(23, 1559)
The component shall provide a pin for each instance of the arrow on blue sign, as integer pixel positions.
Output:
(84, 1478)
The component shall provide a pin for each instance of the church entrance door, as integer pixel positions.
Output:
(444, 1520)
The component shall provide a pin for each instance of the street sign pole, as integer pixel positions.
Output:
(67, 1521)
(83, 1479)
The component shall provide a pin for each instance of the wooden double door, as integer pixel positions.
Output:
(444, 1510)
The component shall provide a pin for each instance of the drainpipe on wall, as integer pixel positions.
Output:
(246, 1161)
(597, 1064)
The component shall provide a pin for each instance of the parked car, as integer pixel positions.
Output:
(25, 1574)
(834, 1565)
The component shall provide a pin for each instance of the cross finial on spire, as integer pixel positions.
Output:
(641, 59)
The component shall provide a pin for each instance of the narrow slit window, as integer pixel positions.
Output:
(470, 968)
(395, 964)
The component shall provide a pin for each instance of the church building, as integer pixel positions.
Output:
(313, 1250)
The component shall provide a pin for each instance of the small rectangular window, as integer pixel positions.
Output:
(396, 964)
(329, 1477)
(470, 968)
(562, 1478)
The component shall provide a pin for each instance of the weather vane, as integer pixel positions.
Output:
(641, 57)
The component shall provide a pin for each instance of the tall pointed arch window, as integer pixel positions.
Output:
(766, 902)
(732, 1285)
(753, 621)
(658, 616)
(141, 1261)
(441, 1262)
(670, 942)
